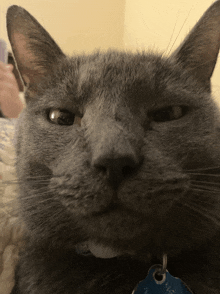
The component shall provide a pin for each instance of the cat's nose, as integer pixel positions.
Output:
(116, 148)
(117, 167)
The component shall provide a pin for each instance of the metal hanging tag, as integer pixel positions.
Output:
(160, 281)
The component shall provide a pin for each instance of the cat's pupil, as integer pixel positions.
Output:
(61, 117)
(168, 113)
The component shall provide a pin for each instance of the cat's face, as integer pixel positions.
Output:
(110, 144)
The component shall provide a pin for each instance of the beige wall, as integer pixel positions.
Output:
(77, 25)
(162, 25)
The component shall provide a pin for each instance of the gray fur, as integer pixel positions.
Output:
(123, 175)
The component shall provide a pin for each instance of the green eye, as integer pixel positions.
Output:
(61, 117)
(168, 113)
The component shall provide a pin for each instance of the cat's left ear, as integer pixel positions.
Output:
(199, 51)
(35, 52)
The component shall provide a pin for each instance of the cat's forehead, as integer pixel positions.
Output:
(116, 74)
(141, 77)
(117, 67)
(124, 71)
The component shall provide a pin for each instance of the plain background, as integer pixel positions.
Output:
(84, 25)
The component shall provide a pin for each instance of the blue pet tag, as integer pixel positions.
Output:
(161, 283)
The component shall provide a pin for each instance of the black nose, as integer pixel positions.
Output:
(116, 167)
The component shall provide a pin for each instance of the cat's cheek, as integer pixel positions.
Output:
(48, 142)
(82, 199)
(188, 145)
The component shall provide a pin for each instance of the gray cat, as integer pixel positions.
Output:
(118, 160)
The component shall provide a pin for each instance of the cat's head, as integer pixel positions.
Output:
(112, 147)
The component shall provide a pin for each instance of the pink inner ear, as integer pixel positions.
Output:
(26, 60)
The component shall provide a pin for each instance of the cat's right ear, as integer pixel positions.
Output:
(34, 50)
(199, 51)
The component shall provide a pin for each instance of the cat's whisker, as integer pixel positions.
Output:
(40, 192)
(203, 169)
(209, 183)
(201, 206)
(204, 175)
(203, 212)
(203, 189)
(27, 179)
(43, 201)
(7, 183)
(171, 35)
(36, 179)
(205, 186)
(44, 208)
(180, 31)
(34, 195)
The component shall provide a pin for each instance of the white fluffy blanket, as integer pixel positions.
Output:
(11, 229)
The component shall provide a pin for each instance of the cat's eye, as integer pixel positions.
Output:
(61, 117)
(168, 113)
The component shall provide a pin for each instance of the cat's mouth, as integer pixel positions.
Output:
(114, 232)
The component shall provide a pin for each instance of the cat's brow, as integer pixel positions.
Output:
(57, 101)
